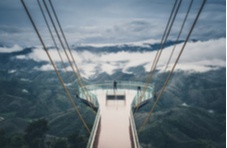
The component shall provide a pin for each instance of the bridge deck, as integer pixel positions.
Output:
(114, 120)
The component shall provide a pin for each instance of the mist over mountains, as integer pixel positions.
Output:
(115, 41)
(93, 61)
(191, 112)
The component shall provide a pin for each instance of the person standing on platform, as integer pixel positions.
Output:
(114, 85)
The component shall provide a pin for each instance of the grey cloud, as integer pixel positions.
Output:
(13, 29)
(110, 21)
(129, 30)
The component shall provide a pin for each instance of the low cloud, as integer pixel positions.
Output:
(10, 49)
(46, 67)
(200, 56)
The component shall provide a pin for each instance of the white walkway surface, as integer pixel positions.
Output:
(114, 120)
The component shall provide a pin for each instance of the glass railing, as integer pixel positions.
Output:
(141, 97)
(90, 97)
(129, 85)
(132, 85)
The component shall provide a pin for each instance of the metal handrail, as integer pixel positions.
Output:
(134, 131)
(94, 130)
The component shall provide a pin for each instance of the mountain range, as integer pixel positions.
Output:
(190, 113)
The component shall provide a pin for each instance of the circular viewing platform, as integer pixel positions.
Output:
(114, 125)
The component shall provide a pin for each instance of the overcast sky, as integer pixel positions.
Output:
(108, 21)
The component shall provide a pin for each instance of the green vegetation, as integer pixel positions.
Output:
(40, 96)
(190, 114)
(35, 136)
(60, 143)
(183, 127)
(35, 133)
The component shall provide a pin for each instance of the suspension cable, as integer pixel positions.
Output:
(179, 34)
(55, 69)
(69, 49)
(55, 44)
(54, 41)
(59, 38)
(179, 55)
(170, 28)
(158, 54)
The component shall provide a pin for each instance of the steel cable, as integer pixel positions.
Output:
(60, 40)
(179, 34)
(159, 52)
(55, 69)
(69, 49)
(179, 55)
